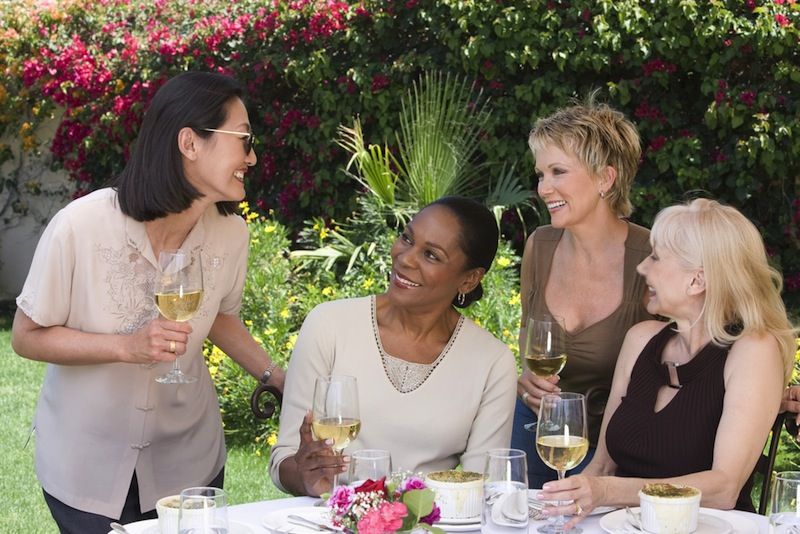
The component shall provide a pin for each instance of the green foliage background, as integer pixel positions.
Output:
(712, 85)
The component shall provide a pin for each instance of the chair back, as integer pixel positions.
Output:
(766, 463)
(265, 409)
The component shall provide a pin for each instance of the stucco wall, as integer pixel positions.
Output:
(44, 192)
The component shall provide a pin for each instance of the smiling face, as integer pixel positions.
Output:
(428, 263)
(220, 163)
(566, 186)
(669, 282)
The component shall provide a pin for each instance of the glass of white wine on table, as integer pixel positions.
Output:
(335, 414)
(178, 293)
(562, 441)
(545, 350)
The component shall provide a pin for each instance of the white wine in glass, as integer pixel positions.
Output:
(178, 294)
(562, 440)
(545, 351)
(335, 413)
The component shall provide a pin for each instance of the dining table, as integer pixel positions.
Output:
(254, 514)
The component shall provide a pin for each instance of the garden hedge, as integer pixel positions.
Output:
(712, 85)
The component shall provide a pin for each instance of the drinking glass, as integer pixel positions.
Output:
(505, 491)
(784, 510)
(335, 412)
(562, 440)
(204, 510)
(369, 464)
(545, 352)
(178, 293)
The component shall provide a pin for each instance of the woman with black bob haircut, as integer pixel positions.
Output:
(110, 440)
(436, 389)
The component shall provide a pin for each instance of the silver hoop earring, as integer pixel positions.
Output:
(461, 299)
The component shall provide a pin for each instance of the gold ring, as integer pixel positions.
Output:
(578, 509)
(172, 346)
(525, 396)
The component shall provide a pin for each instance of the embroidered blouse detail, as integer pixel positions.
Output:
(407, 376)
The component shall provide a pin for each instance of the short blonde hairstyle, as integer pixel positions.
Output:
(742, 289)
(598, 136)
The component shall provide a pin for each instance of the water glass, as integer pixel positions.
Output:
(505, 491)
(203, 510)
(367, 464)
(784, 510)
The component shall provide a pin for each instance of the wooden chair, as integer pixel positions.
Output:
(766, 463)
(266, 408)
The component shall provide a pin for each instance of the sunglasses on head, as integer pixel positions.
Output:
(248, 137)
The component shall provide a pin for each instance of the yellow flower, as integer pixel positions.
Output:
(284, 313)
(292, 340)
(268, 229)
(328, 291)
(514, 300)
(323, 233)
(368, 283)
(258, 452)
(258, 340)
(272, 439)
(248, 322)
(244, 206)
(269, 332)
(252, 215)
(503, 262)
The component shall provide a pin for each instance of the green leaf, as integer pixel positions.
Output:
(419, 502)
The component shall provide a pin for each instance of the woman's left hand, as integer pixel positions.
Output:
(580, 493)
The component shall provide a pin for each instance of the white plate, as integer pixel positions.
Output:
(460, 521)
(532, 493)
(278, 521)
(709, 521)
(465, 527)
(150, 526)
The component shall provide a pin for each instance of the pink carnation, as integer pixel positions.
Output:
(411, 483)
(341, 499)
(388, 517)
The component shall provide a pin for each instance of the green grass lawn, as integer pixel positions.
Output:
(22, 508)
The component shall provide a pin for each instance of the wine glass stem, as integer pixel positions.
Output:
(559, 522)
(336, 474)
(176, 368)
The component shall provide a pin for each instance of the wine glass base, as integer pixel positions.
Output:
(176, 377)
(558, 529)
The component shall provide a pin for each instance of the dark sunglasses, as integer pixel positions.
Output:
(248, 138)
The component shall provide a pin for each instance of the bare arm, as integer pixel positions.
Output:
(68, 346)
(229, 334)
(753, 389)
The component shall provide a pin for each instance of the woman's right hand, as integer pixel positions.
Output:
(532, 388)
(159, 340)
(316, 462)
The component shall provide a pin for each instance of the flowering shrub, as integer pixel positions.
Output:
(376, 507)
(712, 87)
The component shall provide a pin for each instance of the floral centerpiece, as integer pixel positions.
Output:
(378, 507)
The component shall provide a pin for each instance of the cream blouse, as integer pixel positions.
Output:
(93, 271)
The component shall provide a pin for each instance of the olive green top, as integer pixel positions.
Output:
(592, 352)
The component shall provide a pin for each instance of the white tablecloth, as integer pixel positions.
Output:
(252, 513)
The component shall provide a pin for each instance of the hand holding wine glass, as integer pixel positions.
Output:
(562, 440)
(335, 412)
(545, 352)
(178, 294)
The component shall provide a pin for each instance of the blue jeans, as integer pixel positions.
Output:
(538, 471)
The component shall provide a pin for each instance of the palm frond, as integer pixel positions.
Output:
(375, 164)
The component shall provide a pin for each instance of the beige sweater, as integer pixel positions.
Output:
(463, 409)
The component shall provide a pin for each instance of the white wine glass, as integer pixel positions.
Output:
(545, 352)
(178, 294)
(369, 464)
(784, 509)
(562, 441)
(335, 414)
(203, 510)
(505, 492)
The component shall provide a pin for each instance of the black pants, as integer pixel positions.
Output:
(73, 521)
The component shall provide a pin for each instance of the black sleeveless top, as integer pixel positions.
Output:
(679, 439)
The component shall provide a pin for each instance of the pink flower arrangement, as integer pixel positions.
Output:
(376, 507)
